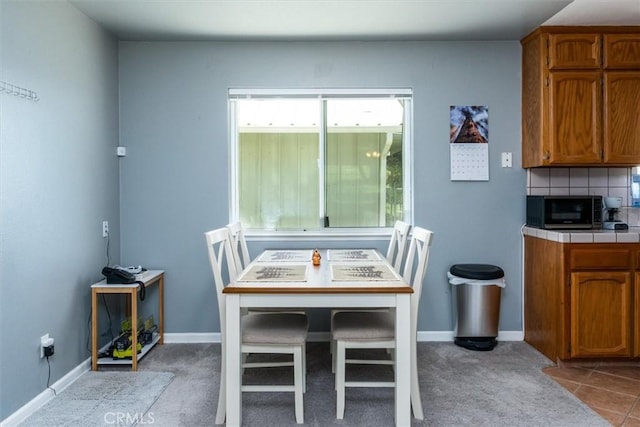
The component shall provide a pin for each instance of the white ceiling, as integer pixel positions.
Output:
(348, 19)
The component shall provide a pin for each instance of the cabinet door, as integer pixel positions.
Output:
(622, 117)
(600, 314)
(575, 117)
(622, 51)
(574, 51)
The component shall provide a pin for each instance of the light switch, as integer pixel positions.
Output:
(506, 160)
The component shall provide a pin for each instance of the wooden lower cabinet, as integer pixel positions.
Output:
(581, 299)
(600, 314)
(636, 312)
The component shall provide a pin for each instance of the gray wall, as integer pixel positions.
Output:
(58, 181)
(175, 178)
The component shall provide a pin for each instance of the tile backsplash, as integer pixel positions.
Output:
(614, 182)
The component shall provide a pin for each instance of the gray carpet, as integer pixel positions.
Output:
(103, 399)
(503, 387)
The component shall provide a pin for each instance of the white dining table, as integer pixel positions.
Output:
(344, 278)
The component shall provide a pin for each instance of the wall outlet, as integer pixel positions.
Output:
(105, 228)
(46, 345)
(506, 160)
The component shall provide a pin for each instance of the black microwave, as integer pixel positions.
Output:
(564, 212)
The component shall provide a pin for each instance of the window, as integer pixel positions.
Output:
(311, 161)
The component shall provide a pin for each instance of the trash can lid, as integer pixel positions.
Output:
(477, 271)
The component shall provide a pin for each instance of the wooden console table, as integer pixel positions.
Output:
(149, 278)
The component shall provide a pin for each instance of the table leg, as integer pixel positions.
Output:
(416, 401)
(233, 366)
(403, 361)
(94, 330)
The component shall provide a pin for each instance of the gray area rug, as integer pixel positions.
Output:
(103, 399)
(503, 387)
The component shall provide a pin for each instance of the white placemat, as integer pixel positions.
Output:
(359, 273)
(352, 255)
(285, 256)
(274, 273)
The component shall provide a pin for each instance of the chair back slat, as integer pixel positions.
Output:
(239, 245)
(415, 267)
(397, 244)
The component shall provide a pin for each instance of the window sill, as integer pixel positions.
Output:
(318, 235)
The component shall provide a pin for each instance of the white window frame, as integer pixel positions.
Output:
(324, 233)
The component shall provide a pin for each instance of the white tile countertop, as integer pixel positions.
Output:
(585, 236)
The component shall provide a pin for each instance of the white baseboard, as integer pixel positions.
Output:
(191, 337)
(423, 336)
(511, 336)
(448, 336)
(42, 398)
(214, 337)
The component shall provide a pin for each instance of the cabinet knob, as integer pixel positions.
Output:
(546, 155)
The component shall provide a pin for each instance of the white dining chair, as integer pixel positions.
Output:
(277, 333)
(376, 329)
(395, 255)
(242, 260)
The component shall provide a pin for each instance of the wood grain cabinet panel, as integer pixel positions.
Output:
(543, 296)
(622, 51)
(595, 257)
(600, 314)
(574, 51)
(534, 92)
(622, 116)
(575, 117)
(635, 312)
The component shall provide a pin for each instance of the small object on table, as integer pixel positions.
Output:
(316, 257)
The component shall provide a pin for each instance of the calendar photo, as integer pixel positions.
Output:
(469, 143)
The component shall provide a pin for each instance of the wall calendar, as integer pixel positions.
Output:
(469, 143)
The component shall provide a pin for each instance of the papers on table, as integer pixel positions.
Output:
(285, 256)
(362, 273)
(274, 273)
(352, 255)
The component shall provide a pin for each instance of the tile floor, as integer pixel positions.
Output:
(610, 389)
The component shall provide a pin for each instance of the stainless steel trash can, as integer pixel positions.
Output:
(477, 289)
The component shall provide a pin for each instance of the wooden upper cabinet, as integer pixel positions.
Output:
(574, 51)
(575, 121)
(622, 117)
(622, 51)
(580, 97)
